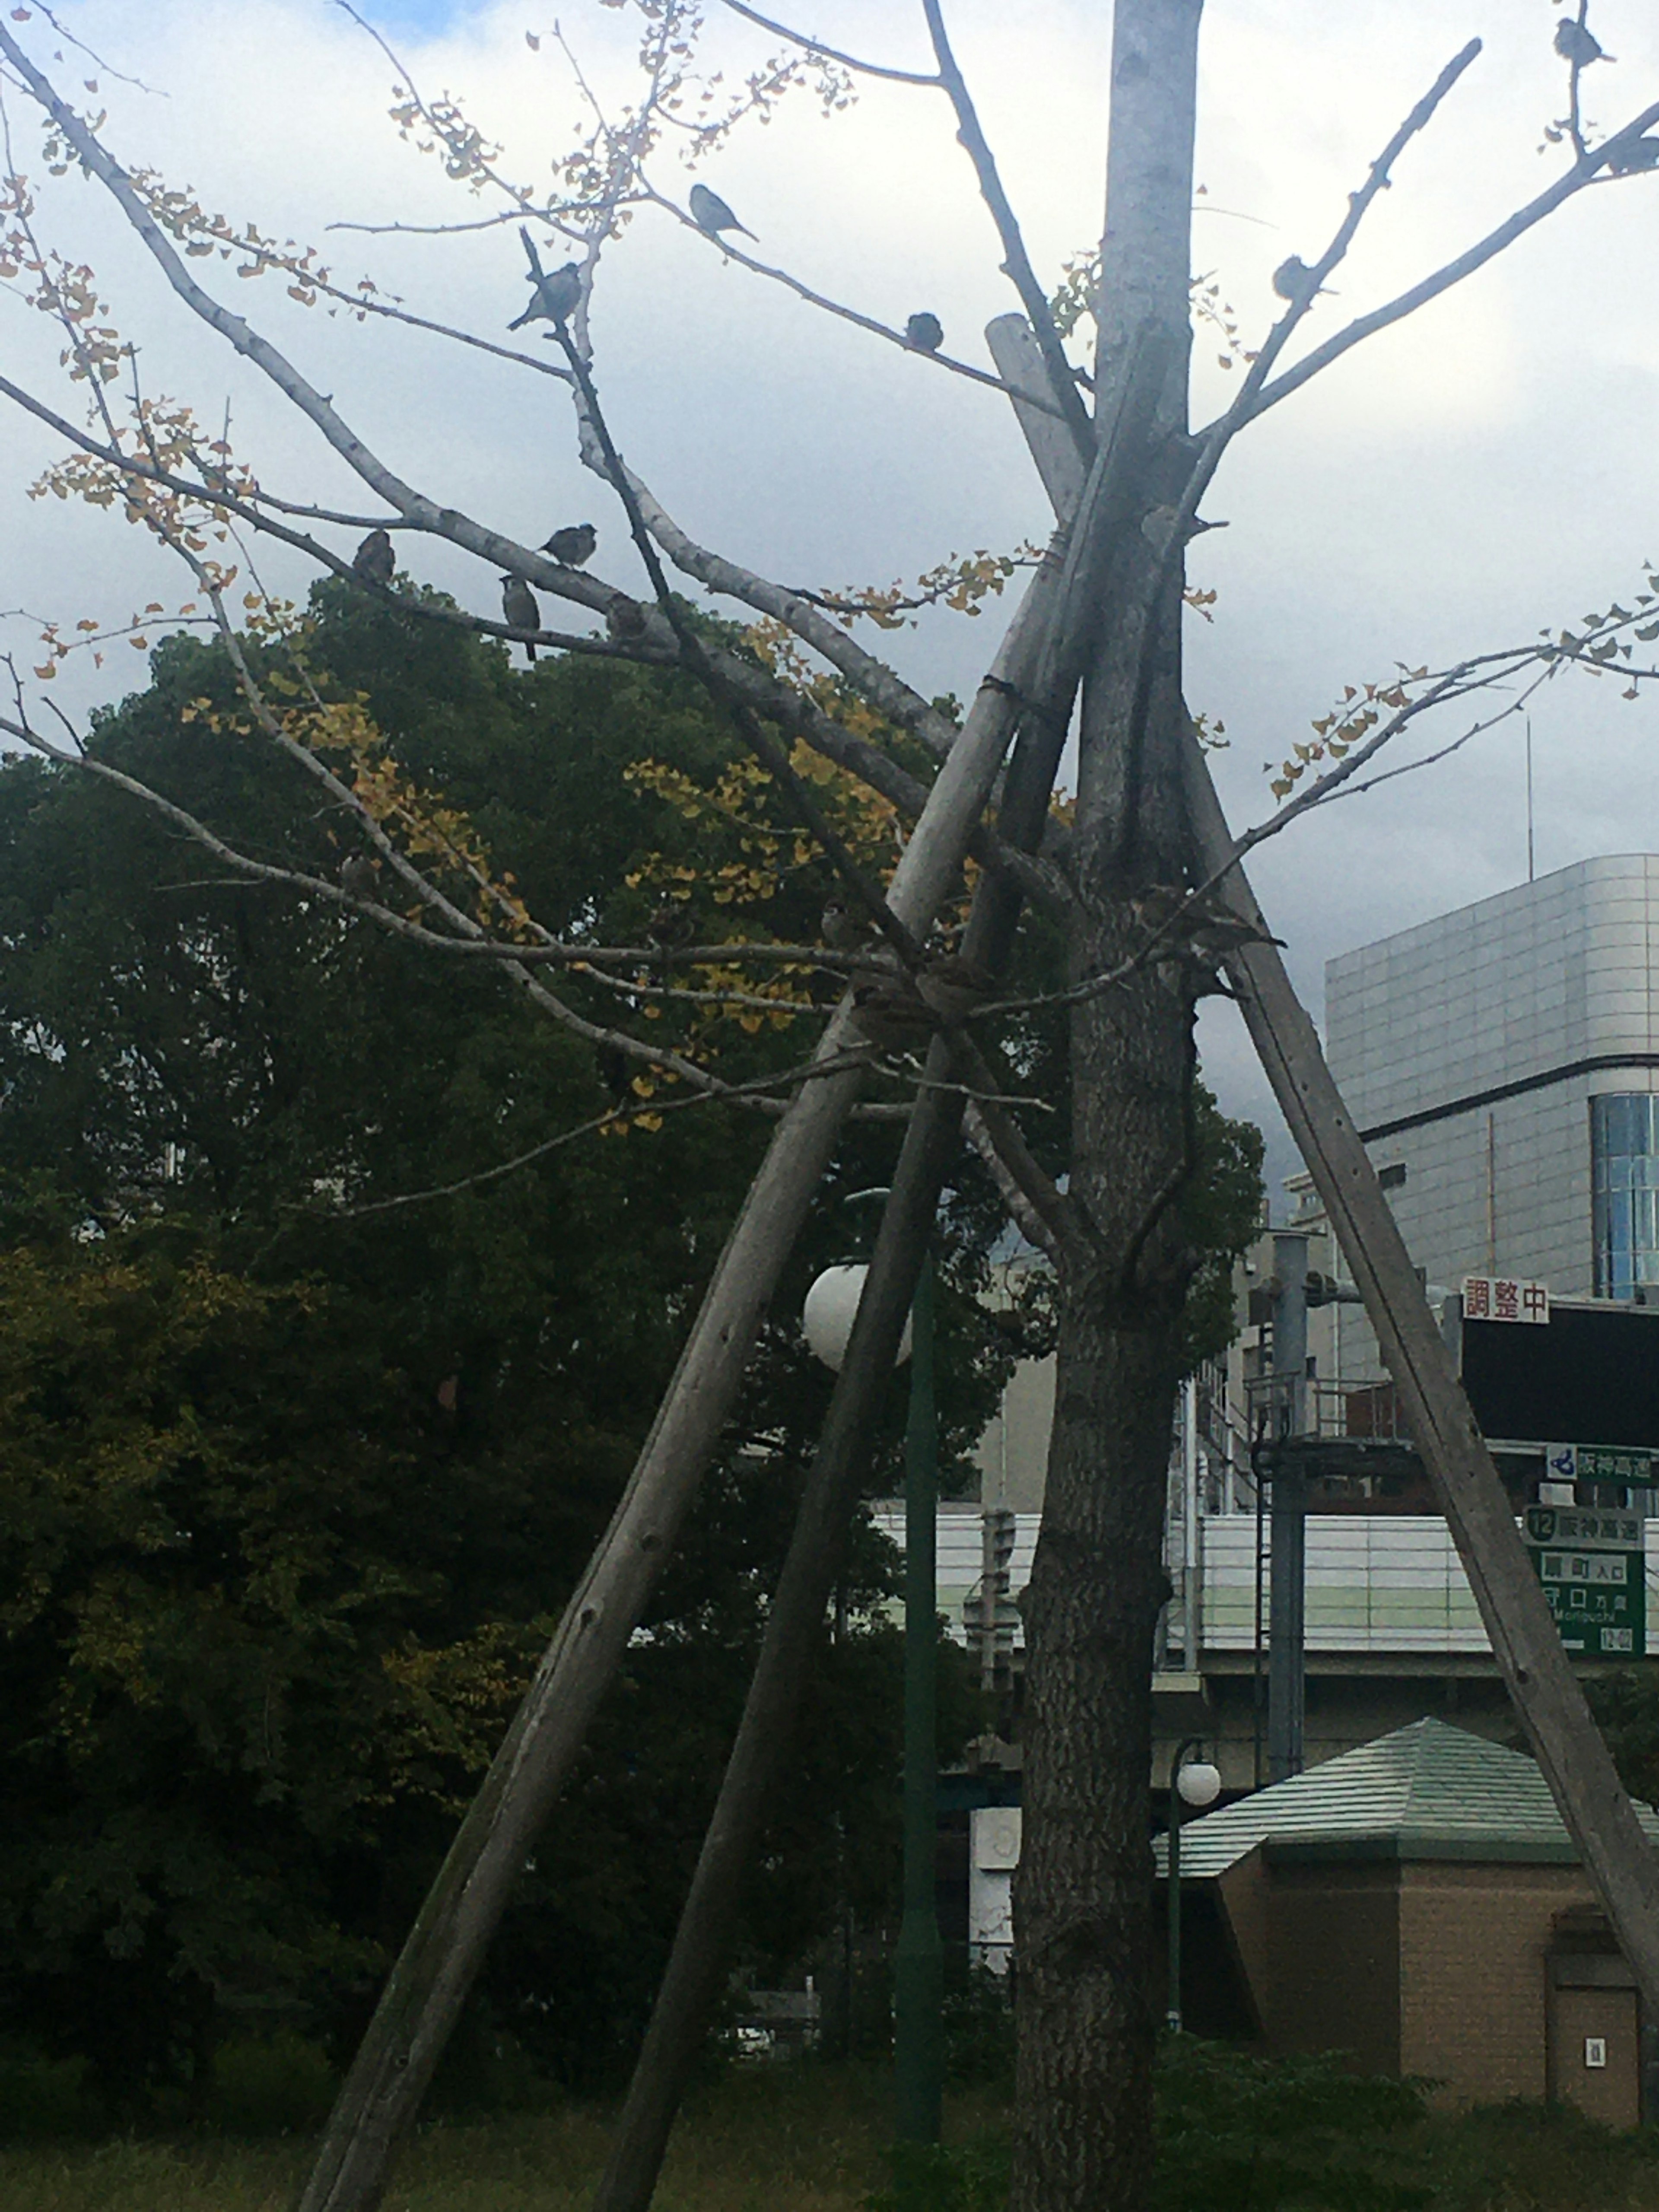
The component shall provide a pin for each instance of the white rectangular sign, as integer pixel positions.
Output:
(1505, 1298)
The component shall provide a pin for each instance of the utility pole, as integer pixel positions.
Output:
(1287, 1561)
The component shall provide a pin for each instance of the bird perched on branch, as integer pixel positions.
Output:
(670, 926)
(1294, 280)
(842, 931)
(892, 1016)
(571, 548)
(615, 1071)
(374, 560)
(557, 295)
(954, 986)
(711, 214)
(624, 618)
(1205, 925)
(520, 610)
(1578, 45)
(924, 332)
(1639, 154)
(358, 875)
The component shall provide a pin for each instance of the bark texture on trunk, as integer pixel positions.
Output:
(1083, 1890)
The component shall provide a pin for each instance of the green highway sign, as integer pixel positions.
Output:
(1593, 1566)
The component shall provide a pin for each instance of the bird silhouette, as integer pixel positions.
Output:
(925, 333)
(892, 1016)
(358, 874)
(954, 986)
(842, 931)
(571, 548)
(671, 925)
(1206, 926)
(557, 294)
(1294, 280)
(711, 214)
(1577, 45)
(374, 560)
(519, 607)
(615, 1071)
(624, 618)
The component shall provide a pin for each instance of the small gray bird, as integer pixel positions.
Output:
(374, 560)
(1639, 154)
(1577, 45)
(954, 986)
(842, 931)
(520, 608)
(624, 618)
(555, 297)
(925, 333)
(1206, 926)
(891, 1016)
(358, 875)
(1293, 280)
(571, 548)
(710, 213)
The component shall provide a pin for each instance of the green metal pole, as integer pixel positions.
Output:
(1172, 1995)
(918, 1977)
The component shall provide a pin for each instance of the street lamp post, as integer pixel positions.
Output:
(1197, 1784)
(918, 1967)
(918, 1964)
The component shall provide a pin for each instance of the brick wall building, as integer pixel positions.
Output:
(1418, 1904)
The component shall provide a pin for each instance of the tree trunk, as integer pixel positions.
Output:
(1083, 1891)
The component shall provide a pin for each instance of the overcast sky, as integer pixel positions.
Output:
(1487, 468)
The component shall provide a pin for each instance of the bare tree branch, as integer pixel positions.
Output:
(1015, 261)
(830, 53)
(1250, 400)
(753, 732)
(733, 252)
(1583, 173)
(886, 692)
(1021, 1211)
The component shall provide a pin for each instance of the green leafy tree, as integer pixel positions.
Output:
(293, 1486)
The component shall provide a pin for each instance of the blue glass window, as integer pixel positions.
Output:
(1624, 1176)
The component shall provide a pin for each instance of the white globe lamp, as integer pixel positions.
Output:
(830, 1310)
(1199, 1784)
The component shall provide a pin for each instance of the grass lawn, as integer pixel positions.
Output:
(808, 2139)
(764, 2139)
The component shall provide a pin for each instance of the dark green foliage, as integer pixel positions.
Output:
(1221, 1210)
(1239, 2133)
(293, 1494)
(1625, 1702)
(295, 1482)
(979, 2027)
(931, 2178)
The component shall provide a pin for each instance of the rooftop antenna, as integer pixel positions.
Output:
(1530, 871)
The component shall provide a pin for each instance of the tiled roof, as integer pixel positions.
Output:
(1427, 1789)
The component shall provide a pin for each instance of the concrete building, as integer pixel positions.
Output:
(1502, 1063)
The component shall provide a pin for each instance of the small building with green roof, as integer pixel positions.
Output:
(1417, 1903)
